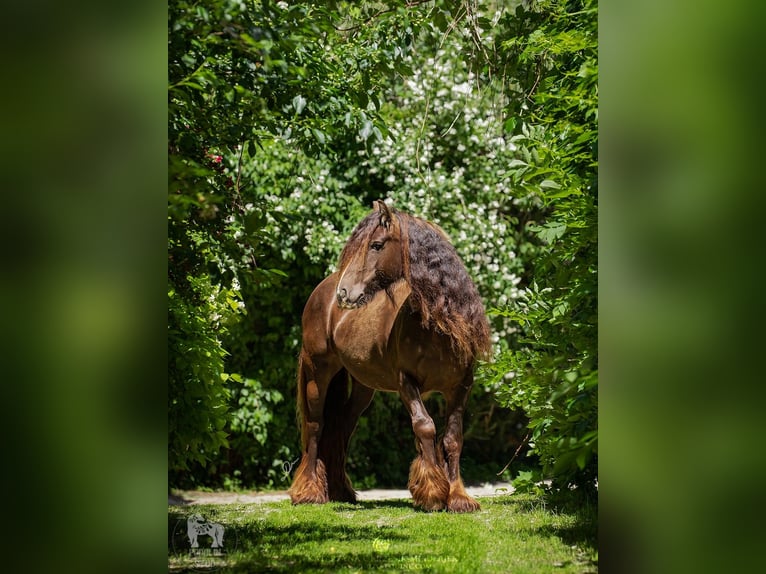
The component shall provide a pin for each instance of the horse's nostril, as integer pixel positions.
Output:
(342, 293)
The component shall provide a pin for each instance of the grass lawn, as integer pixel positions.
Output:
(515, 533)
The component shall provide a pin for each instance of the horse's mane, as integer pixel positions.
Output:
(443, 293)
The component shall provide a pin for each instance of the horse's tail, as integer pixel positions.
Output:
(301, 408)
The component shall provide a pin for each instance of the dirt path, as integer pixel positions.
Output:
(187, 497)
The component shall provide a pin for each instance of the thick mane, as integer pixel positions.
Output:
(443, 292)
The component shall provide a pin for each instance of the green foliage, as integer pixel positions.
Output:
(553, 373)
(197, 391)
(313, 203)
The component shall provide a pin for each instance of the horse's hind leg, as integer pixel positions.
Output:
(341, 414)
(428, 482)
(458, 500)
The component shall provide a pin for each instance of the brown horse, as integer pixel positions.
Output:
(400, 315)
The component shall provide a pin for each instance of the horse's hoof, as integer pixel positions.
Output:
(309, 493)
(430, 505)
(429, 485)
(309, 498)
(462, 504)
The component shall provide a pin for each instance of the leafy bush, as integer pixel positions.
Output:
(552, 374)
(197, 390)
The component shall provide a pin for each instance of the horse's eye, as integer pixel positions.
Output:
(376, 245)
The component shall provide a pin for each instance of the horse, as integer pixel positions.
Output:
(400, 315)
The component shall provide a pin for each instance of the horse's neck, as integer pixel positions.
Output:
(398, 293)
(360, 331)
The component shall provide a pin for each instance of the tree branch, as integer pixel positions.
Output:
(515, 454)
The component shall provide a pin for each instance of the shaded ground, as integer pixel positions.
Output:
(186, 497)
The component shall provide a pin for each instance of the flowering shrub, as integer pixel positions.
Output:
(447, 161)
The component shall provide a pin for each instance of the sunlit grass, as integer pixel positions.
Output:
(516, 533)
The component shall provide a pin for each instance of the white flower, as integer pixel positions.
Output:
(464, 88)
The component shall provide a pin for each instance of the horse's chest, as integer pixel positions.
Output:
(362, 341)
(362, 337)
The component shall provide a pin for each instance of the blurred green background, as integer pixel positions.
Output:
(680, 266)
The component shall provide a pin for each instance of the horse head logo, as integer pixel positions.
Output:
(196, 526)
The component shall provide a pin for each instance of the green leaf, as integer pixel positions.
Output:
(564, 193)
(320, 136)
(366, 130)
(440, 19)
(550, 232)
(299, 102)
(549, 184)
(484, 23)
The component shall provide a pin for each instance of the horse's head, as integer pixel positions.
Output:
(372, 260)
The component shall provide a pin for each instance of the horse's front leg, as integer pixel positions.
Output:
(310, 480)
(428, 482)
(458, 500)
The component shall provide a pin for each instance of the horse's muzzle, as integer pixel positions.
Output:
(345, 302)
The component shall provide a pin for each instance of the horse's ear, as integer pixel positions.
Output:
(385, 213)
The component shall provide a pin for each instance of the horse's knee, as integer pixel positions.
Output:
(424, 428)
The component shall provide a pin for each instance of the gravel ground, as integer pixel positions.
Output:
(186, 497)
